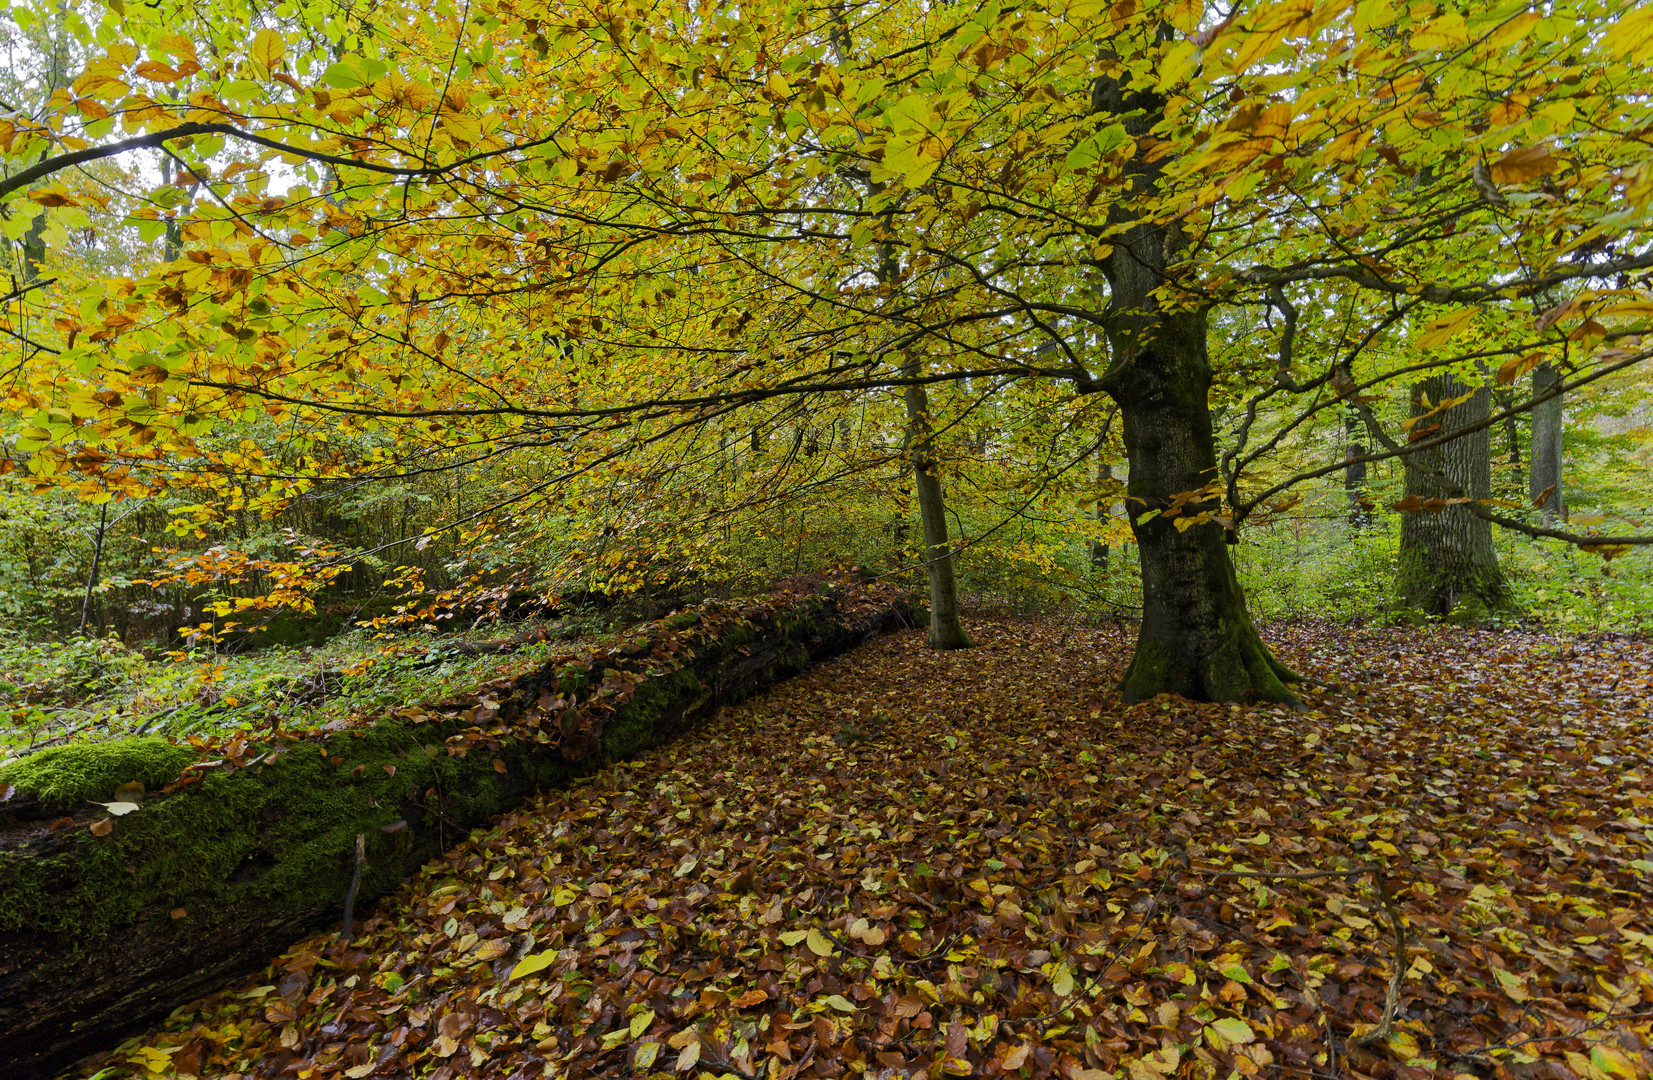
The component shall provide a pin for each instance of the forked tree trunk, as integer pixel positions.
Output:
(1545, 483)
(1197, 638)
(945, 630)
(1448, 566)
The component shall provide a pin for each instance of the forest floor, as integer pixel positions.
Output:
(981, 863)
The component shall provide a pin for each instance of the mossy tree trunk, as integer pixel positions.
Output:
(1448, 566)
(1197, 638)
(102, 934)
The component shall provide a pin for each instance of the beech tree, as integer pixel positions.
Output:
(381, 231)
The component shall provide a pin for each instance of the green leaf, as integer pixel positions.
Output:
(353, 71)
(1233, 1030)
(841, 1003)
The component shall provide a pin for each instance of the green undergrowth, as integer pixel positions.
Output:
(87, 690)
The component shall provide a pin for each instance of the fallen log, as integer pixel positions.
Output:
(109, 922)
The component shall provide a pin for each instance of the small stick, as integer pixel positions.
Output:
(1391, 999)
(355, 883)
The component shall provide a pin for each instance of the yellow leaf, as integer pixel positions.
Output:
(841, 1003)
(1630, 309)
(640, 1023)
(1612, 1061)
(1232, 1030)
(1510, 370)
(1061, 980)
(1447, 32)
(817, 942)
(1255, 46)
(1404, 1045)
(687, 1058)
(1438, 332)
(530, 964)
(269, 48)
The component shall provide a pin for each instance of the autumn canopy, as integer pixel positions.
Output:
(616, 257)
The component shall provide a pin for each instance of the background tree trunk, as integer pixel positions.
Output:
(1448, 566)
(1104, 509)
(1354, 476)
(1545, 475)
(945, 630)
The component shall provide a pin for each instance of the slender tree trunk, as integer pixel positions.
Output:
(1354, 477)
(945, 630)
(97, 560)
(1448, 566)
(1544, 481)
(1197, 638)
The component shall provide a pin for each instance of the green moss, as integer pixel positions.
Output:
(276, 838)
(573, 680)
(637, 725)
(68, 776)
(683, 621)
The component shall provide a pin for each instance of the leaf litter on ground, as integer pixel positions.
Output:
(909, 862)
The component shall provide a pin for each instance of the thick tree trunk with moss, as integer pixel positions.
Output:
(100, 935)
(1197, 638)
(1448, 566)
(945, 630)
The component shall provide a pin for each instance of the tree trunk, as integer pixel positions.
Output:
(1545, 477)
(1197, 638)
(92, 575)
(945, 631)
(1448, 566)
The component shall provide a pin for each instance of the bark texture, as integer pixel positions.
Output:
(1545, 478)
(102, 935)
(1197, 638)
(1448, 566)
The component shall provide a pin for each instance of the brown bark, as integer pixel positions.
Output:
(946, 632)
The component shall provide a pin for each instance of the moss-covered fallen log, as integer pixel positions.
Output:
(108, 922)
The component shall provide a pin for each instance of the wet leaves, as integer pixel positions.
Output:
(1009, 873)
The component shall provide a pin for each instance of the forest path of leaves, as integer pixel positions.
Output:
(980, 863)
